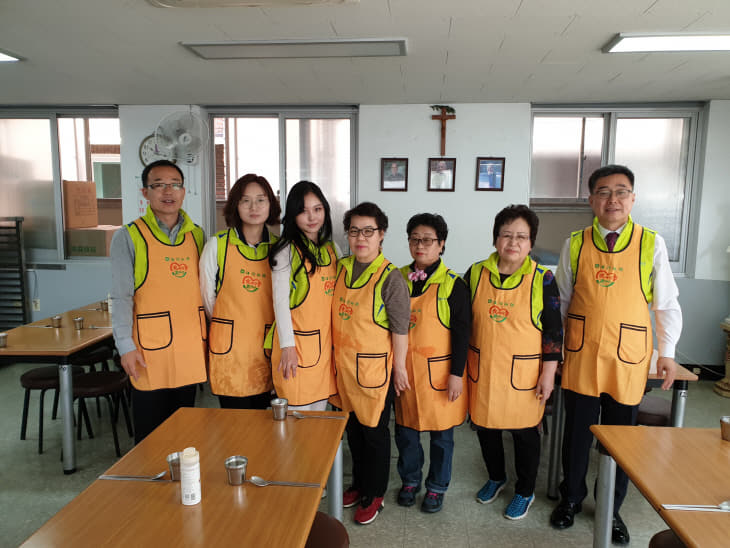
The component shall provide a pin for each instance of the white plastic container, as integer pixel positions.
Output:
(190, 476)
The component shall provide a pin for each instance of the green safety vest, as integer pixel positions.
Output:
(258, 253)
(380, 316)
(446, 278)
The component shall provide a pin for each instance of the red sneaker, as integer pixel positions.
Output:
(368, 510)
(350, 497)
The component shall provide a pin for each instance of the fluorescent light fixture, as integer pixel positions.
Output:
(643, 43)
(299, 49)
(7, 57)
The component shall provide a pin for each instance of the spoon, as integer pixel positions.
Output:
(261, 482)
(143, 478)
(724, 506)
(299, 415)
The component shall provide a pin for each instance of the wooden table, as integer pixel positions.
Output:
(33, 343)
(127, 513)
(668, 466)
(679, 403)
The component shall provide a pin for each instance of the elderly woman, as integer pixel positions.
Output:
(235, 282)
(370, 334)
(516, 342)
(437, 345)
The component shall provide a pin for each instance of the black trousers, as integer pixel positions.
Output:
(527, 456)
(150, 408)
(370, 449)
(257, 401)
(580, 413)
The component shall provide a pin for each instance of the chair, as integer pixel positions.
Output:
(666, 539)
(110, 385)
(327, 532)
(89, 359)
(42, 378)
(654, 411)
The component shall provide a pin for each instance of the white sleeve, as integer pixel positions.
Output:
(280, 275)
(564, 279)
(208, 273)
(667, 313)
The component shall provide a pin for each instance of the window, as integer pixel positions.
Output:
(657, 145)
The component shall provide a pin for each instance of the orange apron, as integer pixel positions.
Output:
(426, 407)
(505, 355)
(608, 339)
(169, 326)
(311, 321)
(363, 349)
(243, 313)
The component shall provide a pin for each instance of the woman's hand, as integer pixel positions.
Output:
(546, 382)
(400, 379)
(288, 362)
(456, 387)
(130, 360)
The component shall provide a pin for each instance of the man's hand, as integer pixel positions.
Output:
(667, 367)
(130, 360)
(288, 362)
(456, 387)
(400, 379)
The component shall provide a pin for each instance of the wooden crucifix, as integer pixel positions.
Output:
(446, 113)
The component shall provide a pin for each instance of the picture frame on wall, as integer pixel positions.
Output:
(441, 174)
(490, 174)
(394, 174)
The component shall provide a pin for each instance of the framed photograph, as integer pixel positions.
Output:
(490, 174)
(441, 174)
(394, 174)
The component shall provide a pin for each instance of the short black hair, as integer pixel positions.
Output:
(513, 212)
(160, 163)
(605, 171)
(366, 209)
(432, 220)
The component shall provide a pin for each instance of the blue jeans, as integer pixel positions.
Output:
(410, 458)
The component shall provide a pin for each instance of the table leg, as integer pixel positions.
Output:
(679, 402)
(556, 439)
(334, 486)
(66, 391)
(604, 501)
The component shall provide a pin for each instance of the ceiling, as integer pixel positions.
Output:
(128, 52)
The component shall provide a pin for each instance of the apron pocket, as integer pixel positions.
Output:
(632, 343)
(472, 363)
(439, 369)
(154, 331)
(309, 345)
(203, 323)
(372, 370)
(525, 372)
(221, 336)
(575, 327)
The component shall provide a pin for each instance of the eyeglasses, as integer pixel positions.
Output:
(605, 194)
(427, 242)
(367, 231)
(160, 186)
(258, 202)
(520, 237)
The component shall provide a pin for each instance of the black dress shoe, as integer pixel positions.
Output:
(562, 516)
(619, 532)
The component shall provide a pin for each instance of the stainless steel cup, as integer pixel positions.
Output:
(79, 323)
(236, 469)
(3, 340)
(725, 427)
(279, 407)
(56, 321)
(105, 305)
(173, 463)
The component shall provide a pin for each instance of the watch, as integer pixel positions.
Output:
(150, 152)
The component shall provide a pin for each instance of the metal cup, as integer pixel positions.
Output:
(56, 321)
(105, 305)
(279, 407)
(173, 463)
(79, 323)
(3, 340)
(236, 469)
(725, 427)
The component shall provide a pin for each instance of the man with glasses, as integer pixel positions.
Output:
(157, 319)
(607, 275)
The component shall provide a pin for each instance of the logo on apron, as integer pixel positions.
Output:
(329, 287)
(498, 313)
(179, 270)
(606, 279)
(250, 283)
(345, 311)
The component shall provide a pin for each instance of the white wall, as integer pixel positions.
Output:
(407, 131)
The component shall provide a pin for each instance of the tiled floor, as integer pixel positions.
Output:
(33, 488)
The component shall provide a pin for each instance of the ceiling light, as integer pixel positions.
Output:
(628, 42)
(7, 57)
(298, 49)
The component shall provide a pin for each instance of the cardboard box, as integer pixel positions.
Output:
(90, 242)
(79, 204)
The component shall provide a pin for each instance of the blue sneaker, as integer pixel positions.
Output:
(490, 491)
(519, 506)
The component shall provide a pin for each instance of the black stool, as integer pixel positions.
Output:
(666, 539)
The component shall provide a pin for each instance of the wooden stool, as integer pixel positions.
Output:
(42, 378)
(666, 539)
(110, 385)
(654, 411)
(327, 532)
